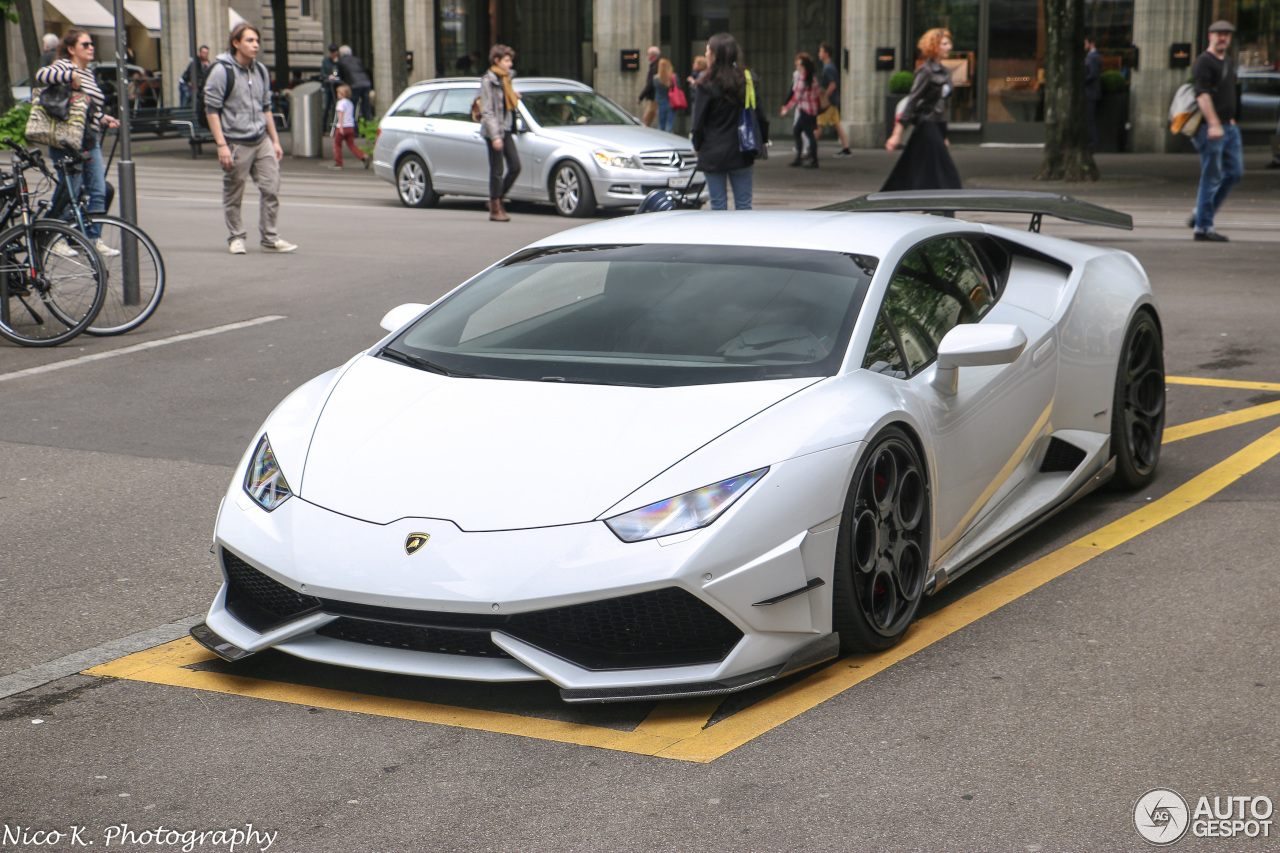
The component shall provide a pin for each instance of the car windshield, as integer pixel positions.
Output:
(563, 109)
(654, 315)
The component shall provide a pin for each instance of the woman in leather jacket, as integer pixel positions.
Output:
(925, 163)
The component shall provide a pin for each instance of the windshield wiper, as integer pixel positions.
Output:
(422, 363)
(576, 380)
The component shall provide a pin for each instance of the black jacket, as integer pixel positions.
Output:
(351, 69)
(1093, 76)
(647, 94)
(929, 92)
(715, 129)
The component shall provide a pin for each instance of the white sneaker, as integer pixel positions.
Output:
(105, 250)
(62, 249)
(237, 246)
(278, 245)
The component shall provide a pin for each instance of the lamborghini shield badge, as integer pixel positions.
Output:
(414, 541)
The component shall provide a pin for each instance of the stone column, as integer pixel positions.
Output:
(380, 66)
(420, 37)
(866, 25)
(212, 28)
(1156, 25)
(619, 25)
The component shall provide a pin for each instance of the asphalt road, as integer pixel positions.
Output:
(1034, 727)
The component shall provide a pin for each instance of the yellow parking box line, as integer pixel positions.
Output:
(679, 718)
(746, 725)
(1222, 383)
(1217, 422)
(167, 665)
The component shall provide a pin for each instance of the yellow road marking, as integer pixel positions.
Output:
(1222, 383)
(1217, 422)
(678, 729)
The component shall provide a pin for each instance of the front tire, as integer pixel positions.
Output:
(882, 552)
(1138, 407)
(413, 183)
(571, 192)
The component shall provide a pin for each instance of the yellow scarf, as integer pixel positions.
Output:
(508, 92)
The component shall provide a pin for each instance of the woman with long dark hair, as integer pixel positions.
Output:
(75, 52)
(804, 97)
(719, 97)
(925, 163)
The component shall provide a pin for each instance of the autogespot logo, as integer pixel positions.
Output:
(1161, 816)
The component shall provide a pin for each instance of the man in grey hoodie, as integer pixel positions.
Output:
(237, 97)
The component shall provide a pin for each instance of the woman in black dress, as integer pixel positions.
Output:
(925, 163)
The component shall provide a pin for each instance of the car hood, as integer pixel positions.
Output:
(619, 137)
(396, 442)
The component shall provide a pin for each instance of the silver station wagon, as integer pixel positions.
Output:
(578, 149)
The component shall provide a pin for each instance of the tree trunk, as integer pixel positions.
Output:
(6, 88)
(30, 39)
(280, 23)
(1066, 131)
(399, 69)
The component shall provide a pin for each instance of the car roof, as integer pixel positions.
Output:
(519, 83)
(872, 234)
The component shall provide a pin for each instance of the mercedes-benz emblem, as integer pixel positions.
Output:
(414, 541)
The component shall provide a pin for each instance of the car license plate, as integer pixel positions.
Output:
(678, 182)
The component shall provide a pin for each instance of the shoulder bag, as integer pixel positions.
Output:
(44, 127)
(676, 95)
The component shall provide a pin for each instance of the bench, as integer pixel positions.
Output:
(160, 121)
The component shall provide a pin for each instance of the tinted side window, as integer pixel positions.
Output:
(883, 355)
(936, 287)
(454, 104)
(414, 105)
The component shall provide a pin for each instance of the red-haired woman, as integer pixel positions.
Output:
(925, 163)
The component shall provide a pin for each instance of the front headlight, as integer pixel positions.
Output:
(689, 511)
(615, 159)
(264, 481)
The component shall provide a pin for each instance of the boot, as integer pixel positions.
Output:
(496, 213)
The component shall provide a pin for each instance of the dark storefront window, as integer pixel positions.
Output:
(997, 62)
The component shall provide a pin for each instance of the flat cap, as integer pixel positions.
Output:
(334, 46)
(1222, 27)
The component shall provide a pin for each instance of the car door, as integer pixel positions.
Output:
(406, 125)
(458, 152)
(979, 436)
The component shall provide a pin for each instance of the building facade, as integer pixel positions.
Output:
(997, 63)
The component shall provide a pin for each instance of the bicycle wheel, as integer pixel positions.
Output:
(52, 284)
(127, 307)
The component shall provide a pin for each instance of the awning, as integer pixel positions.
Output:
(145, 13)
(79, 13)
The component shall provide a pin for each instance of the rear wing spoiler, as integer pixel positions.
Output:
(948, 202)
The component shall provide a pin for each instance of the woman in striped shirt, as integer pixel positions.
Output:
(75, 52)
(804, 97)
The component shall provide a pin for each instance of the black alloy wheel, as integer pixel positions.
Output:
(1138, 408)
(882, 553)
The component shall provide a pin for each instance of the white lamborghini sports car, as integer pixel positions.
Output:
(686, 453)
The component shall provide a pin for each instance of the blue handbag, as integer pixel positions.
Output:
(748, 134)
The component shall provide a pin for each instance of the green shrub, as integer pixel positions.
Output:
(900, 82)
(367, 136)
(13, 124)
(1113, 82)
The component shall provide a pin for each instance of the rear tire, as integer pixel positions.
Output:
(117, 316)
(413, 183)
(1138, 405)
(882, 551)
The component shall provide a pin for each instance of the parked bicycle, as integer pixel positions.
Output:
(52, 279)
(134, 266)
